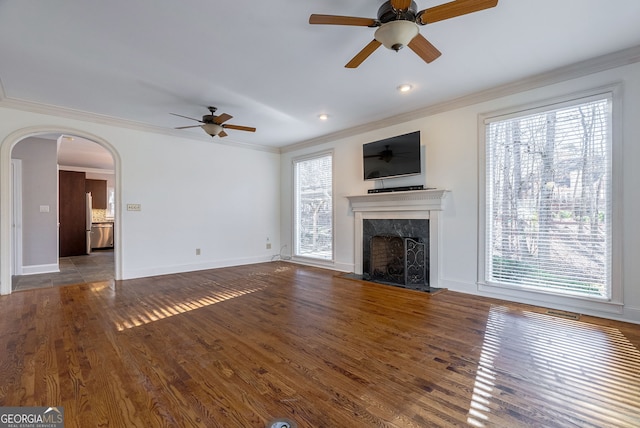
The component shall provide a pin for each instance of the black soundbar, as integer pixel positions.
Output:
(397, 189)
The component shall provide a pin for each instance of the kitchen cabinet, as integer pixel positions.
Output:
(98, 189)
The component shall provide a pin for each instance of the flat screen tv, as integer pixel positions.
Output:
(392, 157)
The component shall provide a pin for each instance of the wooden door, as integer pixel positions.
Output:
(72, 214)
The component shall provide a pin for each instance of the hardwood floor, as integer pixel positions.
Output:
(241, 346)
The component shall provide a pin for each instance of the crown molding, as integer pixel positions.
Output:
(69, 113)
(572, 71)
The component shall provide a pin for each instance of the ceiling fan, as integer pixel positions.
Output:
(387, 154)
(397, 25)
(214, 125)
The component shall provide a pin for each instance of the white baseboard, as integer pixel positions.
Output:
(191, 267)
(36, 269)
(631, 315)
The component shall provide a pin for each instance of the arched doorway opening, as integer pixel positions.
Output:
(46, 209)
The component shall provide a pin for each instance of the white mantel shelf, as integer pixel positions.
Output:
(411, 204)
(412, 200)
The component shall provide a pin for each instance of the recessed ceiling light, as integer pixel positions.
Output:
(323, 116)
(405, 87)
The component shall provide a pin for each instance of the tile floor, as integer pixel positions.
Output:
(95, 267)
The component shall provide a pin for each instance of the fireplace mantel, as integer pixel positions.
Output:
(415, 204)
(426, 200)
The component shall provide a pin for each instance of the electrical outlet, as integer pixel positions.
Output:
(268, 245)
(197, 251)
(134, 207)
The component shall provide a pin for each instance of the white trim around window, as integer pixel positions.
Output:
(316, 244)
(609, 300)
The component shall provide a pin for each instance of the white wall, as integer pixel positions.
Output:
(194, 194)
(221, 199)
(451, 146)
(39, 188)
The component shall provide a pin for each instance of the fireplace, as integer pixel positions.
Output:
(405, 223)
(396, 251)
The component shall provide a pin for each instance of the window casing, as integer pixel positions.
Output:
(313, 206)
(547, 199)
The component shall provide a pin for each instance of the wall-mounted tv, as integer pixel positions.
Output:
(392, 157)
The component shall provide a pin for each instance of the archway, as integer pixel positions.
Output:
(6, 204)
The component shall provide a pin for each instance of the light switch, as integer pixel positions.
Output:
(44, 208)
(134, 207)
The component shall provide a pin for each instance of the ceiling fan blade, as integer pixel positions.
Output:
(342, 20)
(400, 4)
(453, 9)
(185, 127)
(222, 134)
(187, 117)
(240, 128)
(424, 48)
(222, 118)
(363, 54)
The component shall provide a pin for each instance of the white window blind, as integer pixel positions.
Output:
(314, 207)
(548, 199)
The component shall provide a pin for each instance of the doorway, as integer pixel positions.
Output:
(41, 265)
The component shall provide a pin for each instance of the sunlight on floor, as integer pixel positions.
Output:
(156, 312)
(486, 376)
(590, 372)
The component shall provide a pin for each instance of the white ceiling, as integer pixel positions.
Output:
(265, 65)
(79, 152)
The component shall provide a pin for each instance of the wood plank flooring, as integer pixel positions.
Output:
(241, 346)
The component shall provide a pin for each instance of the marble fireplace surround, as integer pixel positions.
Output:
(414, 204)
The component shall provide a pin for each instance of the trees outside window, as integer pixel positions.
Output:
(548, 199)
(313, 186)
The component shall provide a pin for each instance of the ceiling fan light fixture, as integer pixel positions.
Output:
(396, 34)
(212, 129)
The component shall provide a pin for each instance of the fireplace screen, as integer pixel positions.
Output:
(398, 260)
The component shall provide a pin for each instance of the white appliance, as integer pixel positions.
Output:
(89, 221)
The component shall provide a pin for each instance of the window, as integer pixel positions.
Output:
(313, 236)
(548, 199)
(111, 202)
